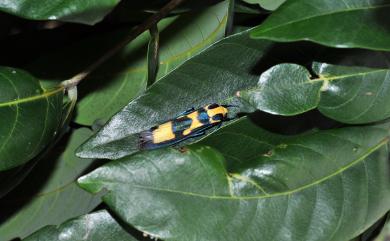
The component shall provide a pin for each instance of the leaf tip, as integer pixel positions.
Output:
(84, 151)
(88, 183)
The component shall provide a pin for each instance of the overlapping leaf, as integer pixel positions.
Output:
(87, 12)
(181, 38)
(96, 226)
(124, 76)
(49, 195)
(346, 24)
(213, 76)
(346, 94)
(326, 185)
(29, 116)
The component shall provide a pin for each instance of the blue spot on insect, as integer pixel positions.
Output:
(203, 117)
(189, 124)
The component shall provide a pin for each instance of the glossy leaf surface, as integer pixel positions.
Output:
(30, 116)
(342, 24)
(95, 226)
(87, 12)
(213, 76)
(253, 184)
(49, 195)
(347, 94)
(237, 64)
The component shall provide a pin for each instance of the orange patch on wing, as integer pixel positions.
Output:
(163, 133)
(216, 111)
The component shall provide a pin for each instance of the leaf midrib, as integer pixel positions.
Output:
(315, 16)
(216, 197)
(324, 78)
(336, 77)
(32, 98)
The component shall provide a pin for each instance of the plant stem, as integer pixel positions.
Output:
(147, 24)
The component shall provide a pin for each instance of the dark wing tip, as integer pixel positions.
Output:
(145, 138)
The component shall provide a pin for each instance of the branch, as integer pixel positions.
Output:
(147, 24)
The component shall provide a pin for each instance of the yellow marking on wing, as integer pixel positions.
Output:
(163, 133)
(212, 112)
(194, 124)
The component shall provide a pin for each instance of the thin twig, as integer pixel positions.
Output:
(147, 24)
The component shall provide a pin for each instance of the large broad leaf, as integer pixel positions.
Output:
(49, 195)
(267, 4)
(124, 76)
(325, 185)
(346, 24)
(87, 12)
(30, 116)
(347, 94)
(96, 226)
(213, 76)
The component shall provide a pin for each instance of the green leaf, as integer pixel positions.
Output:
(95, 226)
(30, 116)
(253, 184)
(49, 195)
(267, 4)
(79, 11)
(180, 38)
(341, 24)
(124, 76)
(346, 94)
(213, 76)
